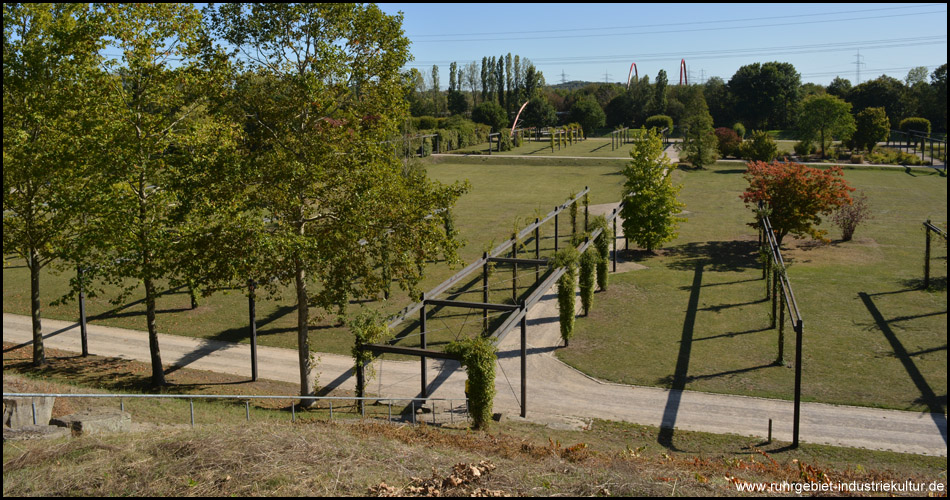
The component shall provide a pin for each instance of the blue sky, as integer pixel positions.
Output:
(585, 41)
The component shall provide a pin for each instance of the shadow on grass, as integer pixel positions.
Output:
(734, 334)
(937, 407)
(729, 171)
(679, 377)
(716, 256)
(937, 284)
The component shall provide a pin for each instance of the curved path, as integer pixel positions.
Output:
(557, 394)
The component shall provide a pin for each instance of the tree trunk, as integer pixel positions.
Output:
(39, 353)
(158, 373)
(307, 383)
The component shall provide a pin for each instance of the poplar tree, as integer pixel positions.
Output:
(650, 208)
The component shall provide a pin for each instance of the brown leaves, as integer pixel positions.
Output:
(460, 482)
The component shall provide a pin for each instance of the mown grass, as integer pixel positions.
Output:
(697, 317)
(227, 455)
(498, 202)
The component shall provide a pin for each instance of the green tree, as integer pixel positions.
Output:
(588, 114)
(883, 92)
(839, 87)
(759, 147)
(490, 113)
(871, 127)
(938, 81)
(766, 95)
(824, 117)
(650, 207)
(162, 152)
(336, 200)
(699, 144)
(49, 59)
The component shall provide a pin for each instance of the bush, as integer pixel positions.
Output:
(602, 244)
(916, 124)
(468, 133)
(478, 356)
(426, 122)
(490, 113)
(729, 141)
(872, 126)
(739, 129)
(857, 159)
(588, 261)
(804, 148)
(659, 122)
(760, 147)
(504, 140)
(588, 114)
(847, 217)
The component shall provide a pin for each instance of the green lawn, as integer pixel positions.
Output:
(499, 201)
(697, 318)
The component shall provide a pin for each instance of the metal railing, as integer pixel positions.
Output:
(780, 279)
(413, 402)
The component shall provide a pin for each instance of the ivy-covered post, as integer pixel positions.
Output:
(587, 262)
(567, 259)
(602, 245)
(485, 291)
(422, 359)
(252, 317)
(478, 357)
(368, 328)
(615, 240)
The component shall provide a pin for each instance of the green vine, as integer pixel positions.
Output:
(368, 328)
(573, 214)
(587, 263)
(478, 357)
(602, 244)
(566, 258)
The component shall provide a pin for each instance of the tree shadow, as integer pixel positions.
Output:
(679, 377)
(717, 256)
(730, 171)
(937, 407)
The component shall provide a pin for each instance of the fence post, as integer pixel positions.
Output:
(485, 291)
(927, 255)
(191, 404)
(798, 381)
(781, 332)
(555, 228)
(252, 313)
(537, 247)
(514, 270)
(524, 360)
(422, 329)
(615, 240)
(84, 338)
(774, 297)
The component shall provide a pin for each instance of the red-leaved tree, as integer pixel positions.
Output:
(797, 195)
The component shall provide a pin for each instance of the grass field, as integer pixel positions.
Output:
(697, 317)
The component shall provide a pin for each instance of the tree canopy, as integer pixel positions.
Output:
(650, 205)
(824, 117)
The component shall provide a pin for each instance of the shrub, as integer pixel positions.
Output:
(490, 113)
(760, 147)
(729, 141)
(426, 123)
(857, 159)
(739, 129)
(804, 148)
(602, 244)
(504, 140)
(848, 216)
(369, 327)
(872, 126)
(566, 258)
(588, 114)
(659, 122)
(588, 261)
(916, 124)
(478, 356)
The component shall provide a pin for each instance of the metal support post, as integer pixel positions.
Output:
(775, 292)
(781, 332)
(514, 271)
(615, 240)
(927, 255)
(537, 247)
(422, 329)
(252, 313)
(798, 382)
(555, 228)
(485, 292)
(524, 360)
(83, 334)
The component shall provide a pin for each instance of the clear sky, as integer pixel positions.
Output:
(583, 41)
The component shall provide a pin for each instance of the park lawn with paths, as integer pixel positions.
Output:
(503, 197)
(697, 317)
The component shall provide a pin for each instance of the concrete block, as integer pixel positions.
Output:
(95, 422)
(18, 412)
(34, 432)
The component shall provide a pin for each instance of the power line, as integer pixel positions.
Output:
(857, 66)
(903, 7)
(668, 31)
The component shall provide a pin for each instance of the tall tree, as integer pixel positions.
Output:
(509, 85)
(49, 59)
(519, 84)
(436, 91)
(158, 147)
(824, 117)
(453, 81)
(766, 95)
(885, 92)
(485, 79)
(839, 87)
(659, 93)
(471, 78)
(500, 80)
(938, 81)
(337, 201)
(650, 208)
(699, 144)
